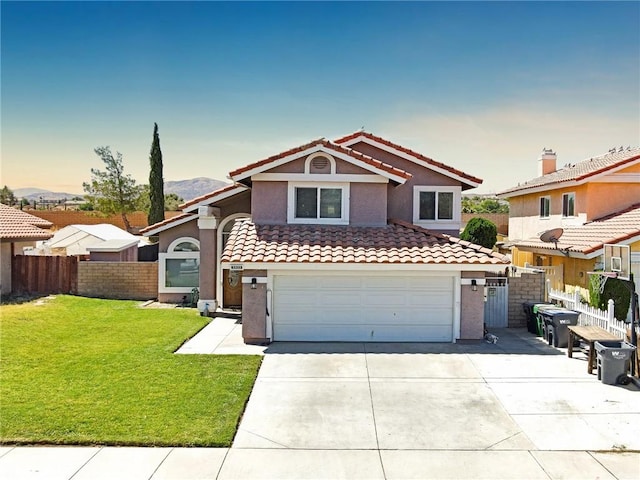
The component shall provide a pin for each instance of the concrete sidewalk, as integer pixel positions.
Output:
(125, 463)
(519, 409)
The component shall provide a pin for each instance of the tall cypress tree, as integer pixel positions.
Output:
(156, 182)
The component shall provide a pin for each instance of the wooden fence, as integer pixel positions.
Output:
(44, 274)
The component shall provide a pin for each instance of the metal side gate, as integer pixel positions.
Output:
(496, 302)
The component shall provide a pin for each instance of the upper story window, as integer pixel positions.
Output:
(545, 203)
(318, 203)
(569, 205)
(437, 206)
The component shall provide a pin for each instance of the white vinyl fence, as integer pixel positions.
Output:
(590, 315)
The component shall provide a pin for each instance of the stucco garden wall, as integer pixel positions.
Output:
(118, 280)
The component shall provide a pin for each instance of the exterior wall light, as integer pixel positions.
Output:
(254, 283)
(474, 285)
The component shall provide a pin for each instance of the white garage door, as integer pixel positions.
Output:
(363, 309)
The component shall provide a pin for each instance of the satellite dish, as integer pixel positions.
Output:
(551, 236)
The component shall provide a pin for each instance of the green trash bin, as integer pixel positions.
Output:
(613, 360)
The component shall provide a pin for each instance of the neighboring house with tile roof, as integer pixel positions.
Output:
(594, 201)
(302, 241)
(18, 230)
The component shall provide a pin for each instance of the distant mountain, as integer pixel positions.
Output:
(185, 189)
(41, 194)
(192, 188)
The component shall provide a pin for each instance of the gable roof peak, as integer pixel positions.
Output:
(469, 180)
(347, 153)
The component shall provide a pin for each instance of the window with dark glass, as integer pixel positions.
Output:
(568, 205)
(544, 207)
(306, 202)
(436, 205)
(318, 202)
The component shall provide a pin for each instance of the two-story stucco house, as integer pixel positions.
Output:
(595, 201)
(345, 240)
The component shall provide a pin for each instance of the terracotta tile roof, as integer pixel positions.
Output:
(397, 243)
(583, 170)
(590, 237)
(212, 195)
(19, 225)
(410, 152)
(163, 225)
(327, 144)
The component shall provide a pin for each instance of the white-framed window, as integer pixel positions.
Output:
(326, 203)
(545, 203)
(569, 204)
(179, 267)
(437, 207)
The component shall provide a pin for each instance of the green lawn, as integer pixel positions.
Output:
(86, 371)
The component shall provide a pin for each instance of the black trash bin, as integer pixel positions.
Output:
(556, 322)
(531, 311)
(613, 360)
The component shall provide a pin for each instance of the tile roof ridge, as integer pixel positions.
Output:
(330, 145)
(368, 159)
(408, 151)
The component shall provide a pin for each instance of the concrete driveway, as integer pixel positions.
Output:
(391, 409)
(516, 410)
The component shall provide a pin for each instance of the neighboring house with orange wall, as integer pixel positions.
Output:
(595, 201)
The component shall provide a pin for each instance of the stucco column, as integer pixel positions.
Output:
(208, 226)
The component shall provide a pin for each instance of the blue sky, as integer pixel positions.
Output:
(480, 86)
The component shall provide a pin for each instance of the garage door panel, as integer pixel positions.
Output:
(363, 308)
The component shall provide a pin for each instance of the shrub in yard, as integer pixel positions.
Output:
(481, 232)
(614, 289)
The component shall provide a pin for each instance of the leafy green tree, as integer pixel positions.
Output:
(481, 232)
(111, 191)
(156, 182)
(172, 202)
(6, 196)
(478, 204)
(491, 205)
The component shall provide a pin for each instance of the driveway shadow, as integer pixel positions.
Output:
(510, 341)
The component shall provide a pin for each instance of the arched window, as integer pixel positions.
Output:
(179, 268)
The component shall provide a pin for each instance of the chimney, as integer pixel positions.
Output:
(546, 162)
